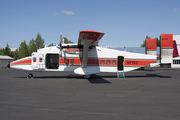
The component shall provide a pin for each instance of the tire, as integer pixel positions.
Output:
(30, 75)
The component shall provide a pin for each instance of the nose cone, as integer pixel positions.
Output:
(8, 65)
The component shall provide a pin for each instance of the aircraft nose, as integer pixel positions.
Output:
(8, 65)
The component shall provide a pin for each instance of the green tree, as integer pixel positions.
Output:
(39, 41)
(157, 42)
(144, 42)
(23, 50)
(7, 50)
(15, 54)
(66, 41)
(36, 44)
(51, 45)
(32, 46)
(1, 51)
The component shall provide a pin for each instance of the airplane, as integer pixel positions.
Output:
(84, 58)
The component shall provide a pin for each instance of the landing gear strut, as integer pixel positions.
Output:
(86, 76)
(30, 75)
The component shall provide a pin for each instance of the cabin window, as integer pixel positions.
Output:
(34, 59)
(40, 60)
(114, 62)
(108, 62)
(102, 61)
(96, 62)
(72, 60)
(66, 61)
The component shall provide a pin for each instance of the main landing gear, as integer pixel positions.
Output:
(30, 75)
(86, 76)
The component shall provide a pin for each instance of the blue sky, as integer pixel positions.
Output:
(125, 22)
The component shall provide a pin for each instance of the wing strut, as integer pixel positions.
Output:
(86, 44)
(88, 38)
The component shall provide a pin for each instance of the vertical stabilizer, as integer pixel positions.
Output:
(166, 49)
(151, 46)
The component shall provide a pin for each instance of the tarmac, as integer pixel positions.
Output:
(152, 94)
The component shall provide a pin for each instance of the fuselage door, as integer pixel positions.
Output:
(41, 61)
(52, 61)
(34, 61)
(120, 64)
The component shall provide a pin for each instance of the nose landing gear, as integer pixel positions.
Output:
(30, 75)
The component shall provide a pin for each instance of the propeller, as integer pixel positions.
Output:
(60, 45)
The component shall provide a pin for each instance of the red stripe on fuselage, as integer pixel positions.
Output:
(91, 61)
(74, 49)
(138, 62)
(27, 61)
(106, 62)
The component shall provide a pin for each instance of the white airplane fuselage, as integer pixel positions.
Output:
(70, 58)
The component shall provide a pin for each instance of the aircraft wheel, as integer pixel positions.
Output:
(142, 68)
(30, 75)
(87, 76)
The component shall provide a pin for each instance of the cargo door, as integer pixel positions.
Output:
(52, 61)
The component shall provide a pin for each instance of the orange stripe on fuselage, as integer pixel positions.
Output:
(27, 61)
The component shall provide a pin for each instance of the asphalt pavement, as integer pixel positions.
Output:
(152, 94)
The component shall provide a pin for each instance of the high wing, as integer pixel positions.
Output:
(89, 35)
(88, 38)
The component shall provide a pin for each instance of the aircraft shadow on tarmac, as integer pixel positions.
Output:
(99, 76)
(95, 79)
(148, 76)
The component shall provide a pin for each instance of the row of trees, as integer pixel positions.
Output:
(144, 42)
(26, 50)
